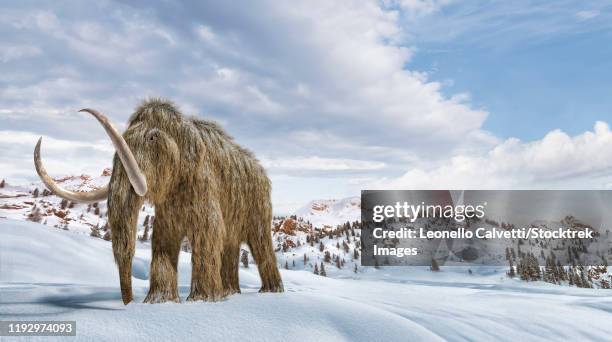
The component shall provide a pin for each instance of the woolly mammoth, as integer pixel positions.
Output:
(204, 186)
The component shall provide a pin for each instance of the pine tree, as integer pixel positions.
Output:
(434, 265)
(316, 269)
(35, 215)
(583, 279)
(2, 184)
(327, 257)
(145, 234)
(305, 259)
(549, 271)
(95, 232)
(511, 272)
(244, 258)
(323, 273)
(561, 271)
(577, 280)
(286, 265)
(338, 263)
(321, 247)
(35, 193)
(529, 268)
(355, 269)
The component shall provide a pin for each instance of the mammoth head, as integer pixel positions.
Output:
(141, 151)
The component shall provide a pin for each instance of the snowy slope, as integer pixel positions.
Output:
(52, 274)
(79, 282)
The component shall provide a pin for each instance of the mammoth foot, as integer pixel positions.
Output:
(211, 296)
(161, 297)
(230, 291)
(273, 288)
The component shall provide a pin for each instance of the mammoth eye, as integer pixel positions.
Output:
(152, 135)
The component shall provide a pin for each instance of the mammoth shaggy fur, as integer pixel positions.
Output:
(204, 187)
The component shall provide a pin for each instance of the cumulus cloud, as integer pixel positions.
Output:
(266, 73)
(556, 161)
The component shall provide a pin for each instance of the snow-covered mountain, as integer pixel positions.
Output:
(324, 232)
(33, 202)
(331, 245)
(330, 213)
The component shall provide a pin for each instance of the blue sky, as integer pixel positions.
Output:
(332, 96)
(535, 66)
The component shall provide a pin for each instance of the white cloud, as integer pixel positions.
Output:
(585, 15)
(362, 75)
(558, 160)
(60, 157)
(320, 164)
(421, 7)
(9, 53)
(205, 33)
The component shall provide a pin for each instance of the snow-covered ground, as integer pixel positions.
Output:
(53, 274)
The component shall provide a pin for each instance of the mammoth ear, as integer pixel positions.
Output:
(191, 146)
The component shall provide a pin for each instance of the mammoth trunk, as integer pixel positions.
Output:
(123, 209)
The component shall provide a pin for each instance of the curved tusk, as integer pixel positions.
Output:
(136, 177)
(97, 195)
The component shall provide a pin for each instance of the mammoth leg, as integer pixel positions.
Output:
(123, 208)
(166, 244)
(207, 240)
(263, 253)
(229, 271)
